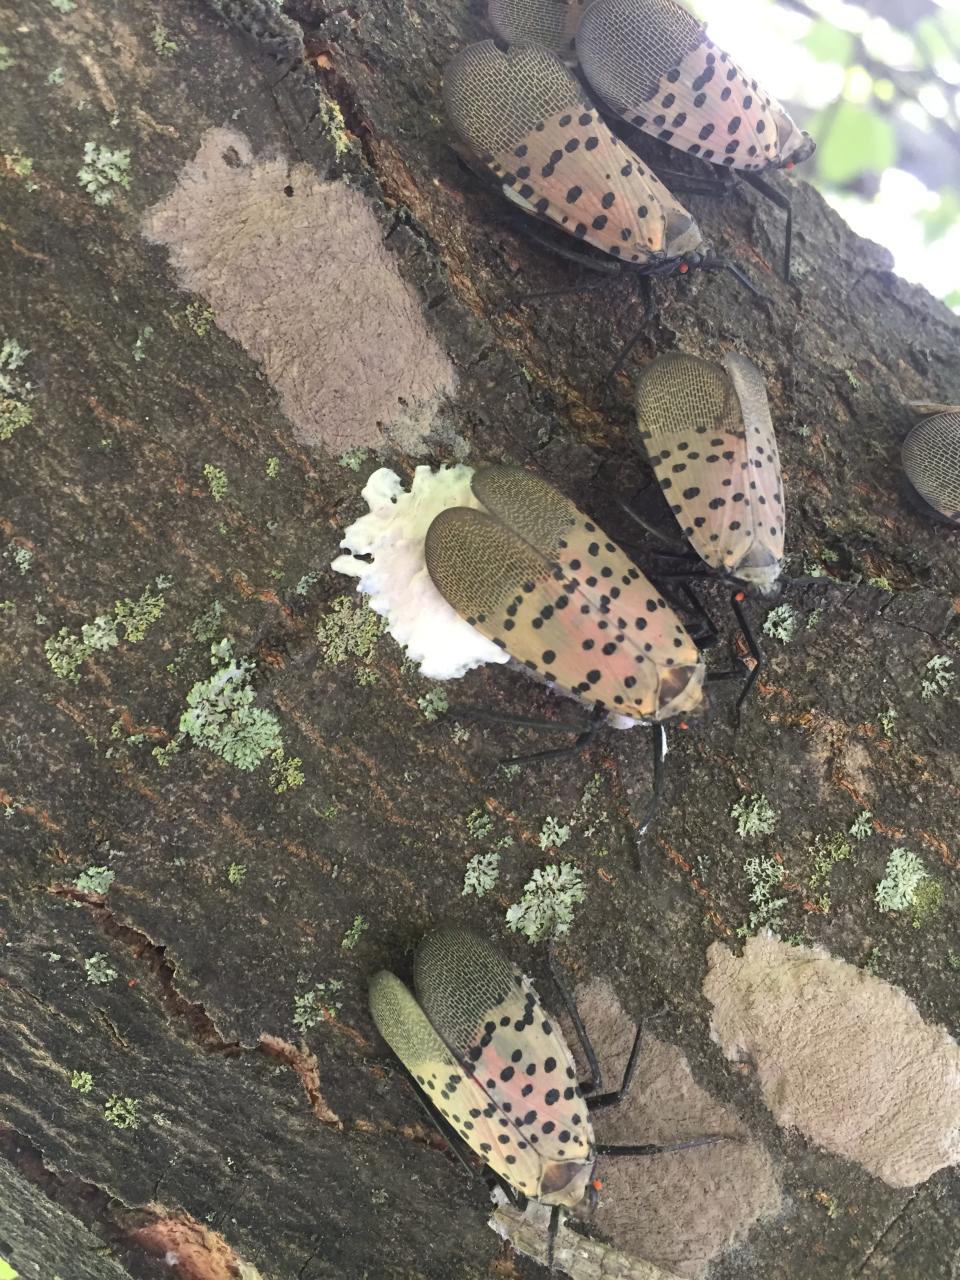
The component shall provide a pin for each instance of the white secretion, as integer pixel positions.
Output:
(395, 578)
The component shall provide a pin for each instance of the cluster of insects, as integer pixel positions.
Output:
(526, 568)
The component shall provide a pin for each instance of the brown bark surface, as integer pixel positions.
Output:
(302, 1153)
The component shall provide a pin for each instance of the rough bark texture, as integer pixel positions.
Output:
(304, 1155)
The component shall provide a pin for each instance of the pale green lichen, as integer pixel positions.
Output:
(99, 970)
(205, 627)
(221, 715)
(56, 76)
(200, 318)
(354, 933)
(433, 704)
(902, 878)
(144, 335)
(479, 824)
(350, 630)
(316, 1006)
(122, 1113)
(459, 733)
(781, 624)
(6, 58)
(287, 772)
(940, 677)
(332, 123)
(15, 389)
(862, 825)
(764, 875)
(887, 721)
(927, 901)
(103, 171)
(353, 459)
(95, 880)
(82, 1081)
(881, 582)
(754, 815)
(217, 481)
(163, 46)
(482, 873)
(21, 556)
(273, 468)
(64, 6)
(827, 851)
(66, 651)
(19, 164)
(138, 616)
(236, 873)
(546, 908)
(553, 834)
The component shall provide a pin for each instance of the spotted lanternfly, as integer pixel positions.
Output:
(652, 63)
(931, 460)
(552, 23)
(709, 438)
(522, 114)
(543, 582)
(491, 1060)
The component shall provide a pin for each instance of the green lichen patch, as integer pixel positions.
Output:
(6, 58)
(902, 878)
(553, 834)
(163, 46)
(138, 616)
(764, 876)
(862, 825)
(20, 556)
(287, 772)
(272, 468)
(353, 459)
(827, 851)
(82, 1081)
(939, 678)
(332, 123)
(95, 880)
(480, 824)
(236, 873)
(433, 704)
(310, 1008)
(144, 334)
(15, 389)
(354, 933)
(200, 318)
(122, 1113)
(99, 970)
(482, 873)
(217, 481)
(755, 816)
(222, 717)
(781, 623)
(546, 908)
(66, 651)
(104, 171)
(350, 630)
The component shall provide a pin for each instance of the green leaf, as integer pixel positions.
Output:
(953, 299)
(937, 222)
(828, 43)
(857, 140)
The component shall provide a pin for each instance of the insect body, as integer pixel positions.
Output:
(479, 1044)
(523, 115)
(931, 459)
(652, 63)
(552, 23)
(542, 581)
(709, 437)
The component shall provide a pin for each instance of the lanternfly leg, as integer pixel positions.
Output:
(659, 1149)
(646, 290)
(655, 532)
(552, 1230)
(617, 1095)
(583, 740)
(566, 995)
(736, 603)
(780, 200)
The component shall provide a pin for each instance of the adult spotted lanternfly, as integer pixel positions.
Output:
(651, 63)
(931, 460)
(490, 1059)
(709, 438)
(552, 23)
(522, 114)
(543, 582)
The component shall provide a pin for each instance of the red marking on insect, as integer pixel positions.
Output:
(741, 596)
(597, 1184)
(133, 982)
(683, 268)
(683, 725)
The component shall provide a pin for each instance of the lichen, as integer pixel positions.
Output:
(6, 58)
(353, 459)
(15, 389)
(764, 875)
(827, 851)
(433, 704)
(927, 901)
(122, 1113)
(103, 171)
(939, 679)
(272, 468)
(332, 123)
(205, 627)
(350, 630)
(862, 825)
(82, 1081)
(287, 772)
(354, 933)
(138, 616)
(754, 815)
(66, 651)
(553, 834)
(21, 556)
(546, 908)
(144, 334)
(163, 46)
(221, 715)
(200, 318)
(479, 823)
(236, 873)
(316, 1006)
(99, 970)
(95, 880)
(217, 481)
(781, 623)
(902, 878)
(482, 873)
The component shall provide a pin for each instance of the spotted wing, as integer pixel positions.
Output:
(534, 575)
(652, 63)
(523, 114)
(551, 23)
(710, 440)
(457, 1094)
(490, 1016)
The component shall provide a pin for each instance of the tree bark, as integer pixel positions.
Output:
(255, 1145)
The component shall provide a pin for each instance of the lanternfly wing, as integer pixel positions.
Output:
(651, 62)
(551, 23)
(542, 581)
(710, 440)
(457, 1095)
(523, 114)
(931, 459)
(491, 1018)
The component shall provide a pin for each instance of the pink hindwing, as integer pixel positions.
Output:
(480, 1045)
(551, 23)
(709, 437)
(523, 114)
(541, 580)
(650, 61)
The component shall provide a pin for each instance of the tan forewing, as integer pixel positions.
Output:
(456, 1094)
(523, 114)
